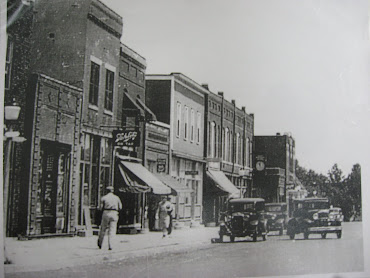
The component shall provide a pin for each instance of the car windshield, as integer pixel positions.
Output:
(317, 205)
(246, 207)
(273, 208)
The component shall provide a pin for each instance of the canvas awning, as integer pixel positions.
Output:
(222, 182)
(138, 178)
(174, 184)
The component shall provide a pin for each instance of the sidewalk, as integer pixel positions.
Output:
(56, 253)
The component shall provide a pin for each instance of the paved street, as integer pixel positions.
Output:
(244, 258)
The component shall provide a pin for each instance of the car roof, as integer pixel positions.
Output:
(275, 204)
(312, 199)
(246, 200)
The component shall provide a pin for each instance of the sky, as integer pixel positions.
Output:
(300, 67)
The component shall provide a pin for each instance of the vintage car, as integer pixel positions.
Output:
(276, 215)
(243, 217)
(336, 214)
(312, 216)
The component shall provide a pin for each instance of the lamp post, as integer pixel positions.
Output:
(11, 113)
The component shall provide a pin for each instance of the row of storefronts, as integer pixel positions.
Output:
(91, 118)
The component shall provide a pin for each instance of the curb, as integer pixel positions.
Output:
(112, 257)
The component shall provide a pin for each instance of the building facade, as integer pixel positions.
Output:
(178, 101)
(228, 137)
(274, 162)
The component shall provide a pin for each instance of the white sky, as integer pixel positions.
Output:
(299, 66)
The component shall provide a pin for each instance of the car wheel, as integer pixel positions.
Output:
(254, 237)
(281, 231)
(306, 234)
(339, 234)
(291, 235)
(221, 238)
(323, 235)
(232, 238)
(263, 237)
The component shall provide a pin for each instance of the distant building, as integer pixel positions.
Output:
(228, 137)
(274, 164)
(179, 102)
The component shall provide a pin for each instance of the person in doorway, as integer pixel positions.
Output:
(110, 205)
(164, 207)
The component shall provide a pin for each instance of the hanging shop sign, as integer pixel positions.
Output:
(126, 138)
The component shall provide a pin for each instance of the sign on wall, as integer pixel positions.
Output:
(126, 138)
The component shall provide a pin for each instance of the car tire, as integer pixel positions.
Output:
(305, 235)
(281, 231)
(323, 235)
(264, 237)
(221, 238)
(254, 237)
(232, 238)
(291, 236)
(339, 234)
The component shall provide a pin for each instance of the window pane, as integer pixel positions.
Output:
(94, 84)
(109, 83)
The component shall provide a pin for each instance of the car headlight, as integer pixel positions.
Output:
(273, 216)
(331, 216)
(315, 216)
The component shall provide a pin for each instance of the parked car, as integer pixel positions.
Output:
(336, 214)
(312, 216)
(243, 217)
(276, 215)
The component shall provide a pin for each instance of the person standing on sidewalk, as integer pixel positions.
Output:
(164, 207)
(110, 205)
(171, 213)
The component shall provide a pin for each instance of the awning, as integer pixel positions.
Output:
(142, 177)
(222, 182)
(139, 107)
(174, 184)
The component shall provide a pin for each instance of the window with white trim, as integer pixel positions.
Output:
(94, 83)
(178, 120)
(192, 123)
(109, 84)
(226, 145)
(186, 122)
(237, 150)
(213, 139)
(199, 122)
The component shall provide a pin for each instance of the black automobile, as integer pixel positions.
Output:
(276, 215)
(313, 216)
(243, 217)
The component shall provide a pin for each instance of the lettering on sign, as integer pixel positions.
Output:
(126, 138)
(191, 172)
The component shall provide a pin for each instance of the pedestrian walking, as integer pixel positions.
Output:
(110, 205)
(164, 207)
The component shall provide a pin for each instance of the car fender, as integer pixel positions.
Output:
(254, 222)
(280, 221)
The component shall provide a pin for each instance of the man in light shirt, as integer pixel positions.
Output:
(110, 204)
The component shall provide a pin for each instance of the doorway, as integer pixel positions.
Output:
(54, 201)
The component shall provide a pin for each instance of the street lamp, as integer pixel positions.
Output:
(11, 113)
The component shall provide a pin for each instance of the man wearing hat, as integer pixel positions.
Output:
(110, 204)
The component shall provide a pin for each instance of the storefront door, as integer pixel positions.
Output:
(54, 187)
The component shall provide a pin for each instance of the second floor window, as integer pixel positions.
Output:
(199, 121)
(8, 63)
(178, 120)
(94, 84)
(109, 83)
(192, 125)
(186, 121)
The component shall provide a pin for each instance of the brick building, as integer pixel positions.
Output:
(228, 137)
(274, 162)
(74, 45)
(178, 101)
